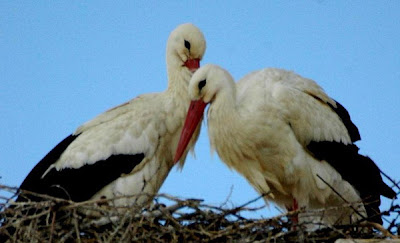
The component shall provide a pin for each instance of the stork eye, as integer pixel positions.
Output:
(202, 84)
(187, 45)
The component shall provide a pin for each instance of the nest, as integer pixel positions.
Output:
(173, 220)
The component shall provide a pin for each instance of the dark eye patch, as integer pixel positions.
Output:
(202, 84)
(187, 45)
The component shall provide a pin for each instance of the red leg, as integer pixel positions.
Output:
(294, 219)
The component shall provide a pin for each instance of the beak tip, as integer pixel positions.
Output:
(178, 156)
(192, 64)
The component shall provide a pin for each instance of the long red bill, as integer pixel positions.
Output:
(193, 64)
(193, 117)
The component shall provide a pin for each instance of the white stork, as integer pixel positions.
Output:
(289, 139)
(128, 150)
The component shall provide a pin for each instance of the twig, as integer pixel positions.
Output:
(379, 227)
(337, 193)
(390, 179)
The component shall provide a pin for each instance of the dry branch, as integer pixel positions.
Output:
(183, 220)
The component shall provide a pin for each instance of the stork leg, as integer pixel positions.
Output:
(294, 218)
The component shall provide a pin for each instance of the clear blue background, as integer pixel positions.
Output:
(62, 63)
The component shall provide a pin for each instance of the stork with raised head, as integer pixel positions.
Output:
(290, 140)
(128, 150)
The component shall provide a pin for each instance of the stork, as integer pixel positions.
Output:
(128, 150)
(290, 140)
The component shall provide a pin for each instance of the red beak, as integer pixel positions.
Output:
(193, 64)
(193, 117)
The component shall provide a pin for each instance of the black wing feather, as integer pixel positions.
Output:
(76, 184)
(360, 171)
(345, 117)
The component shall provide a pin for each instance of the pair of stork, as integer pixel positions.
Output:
(283, 133)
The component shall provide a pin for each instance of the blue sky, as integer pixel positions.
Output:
(63, 63)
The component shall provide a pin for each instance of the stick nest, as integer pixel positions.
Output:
(174, 220)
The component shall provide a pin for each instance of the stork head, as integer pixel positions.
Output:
(208, 82)
(185, 47)
(205, 85)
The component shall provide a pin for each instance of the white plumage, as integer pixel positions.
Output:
(268, 127)
(128, 150)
